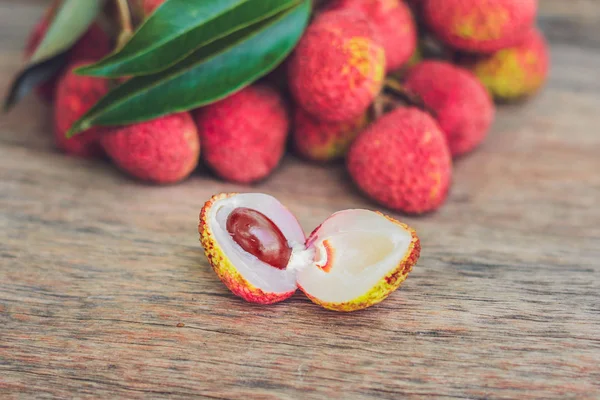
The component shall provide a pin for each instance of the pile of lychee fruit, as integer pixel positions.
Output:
(397, 90)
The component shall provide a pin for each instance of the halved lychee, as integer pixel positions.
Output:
(360, 257)
(353, 260)
(245, 274)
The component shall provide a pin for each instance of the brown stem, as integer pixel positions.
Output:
(398, 91)
(378, 107)
(125, 22)
(383, 104)
(137, 15)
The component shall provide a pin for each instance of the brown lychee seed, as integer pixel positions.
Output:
(259, 236)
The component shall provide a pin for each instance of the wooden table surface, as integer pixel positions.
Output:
(97, 271)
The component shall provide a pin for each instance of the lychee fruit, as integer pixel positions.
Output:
(513, 73)
(393, 23)
(338, 66)
(353, 260)
(93, 45)
(244, 135)
(463, 108)
(402, 161)
(323, 140)
(163, 150)
(480, 26)
(75, 95)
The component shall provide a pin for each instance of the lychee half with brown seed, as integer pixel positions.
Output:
(353, 260)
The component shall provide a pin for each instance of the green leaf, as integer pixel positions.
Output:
(177, 29)
(208, 75)
(71, 20)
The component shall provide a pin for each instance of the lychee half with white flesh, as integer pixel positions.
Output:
(353, 260)
(360, 257)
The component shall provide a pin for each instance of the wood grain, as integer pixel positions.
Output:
(98, 272)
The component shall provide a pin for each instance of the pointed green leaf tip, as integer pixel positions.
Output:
(209, 74)
(83, 126)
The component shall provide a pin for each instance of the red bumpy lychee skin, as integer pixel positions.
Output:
(462, 106)
(75, 95)
(480, 26)
(402, 161)
(244, 135)
(324, 141)
(392, 22)
(163, 150)
(93, 45)
(516, 72)
(338, 67)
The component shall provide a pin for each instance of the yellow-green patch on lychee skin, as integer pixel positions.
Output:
(338, 67)
(416, 57)
(324, 141)
(387, 285)
(480, 26)
(360, 52)
(503, 75)
(466, 26)
(340, 145)
(516, 72)
(224, 269)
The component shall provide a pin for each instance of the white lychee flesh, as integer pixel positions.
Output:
(354, 251)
